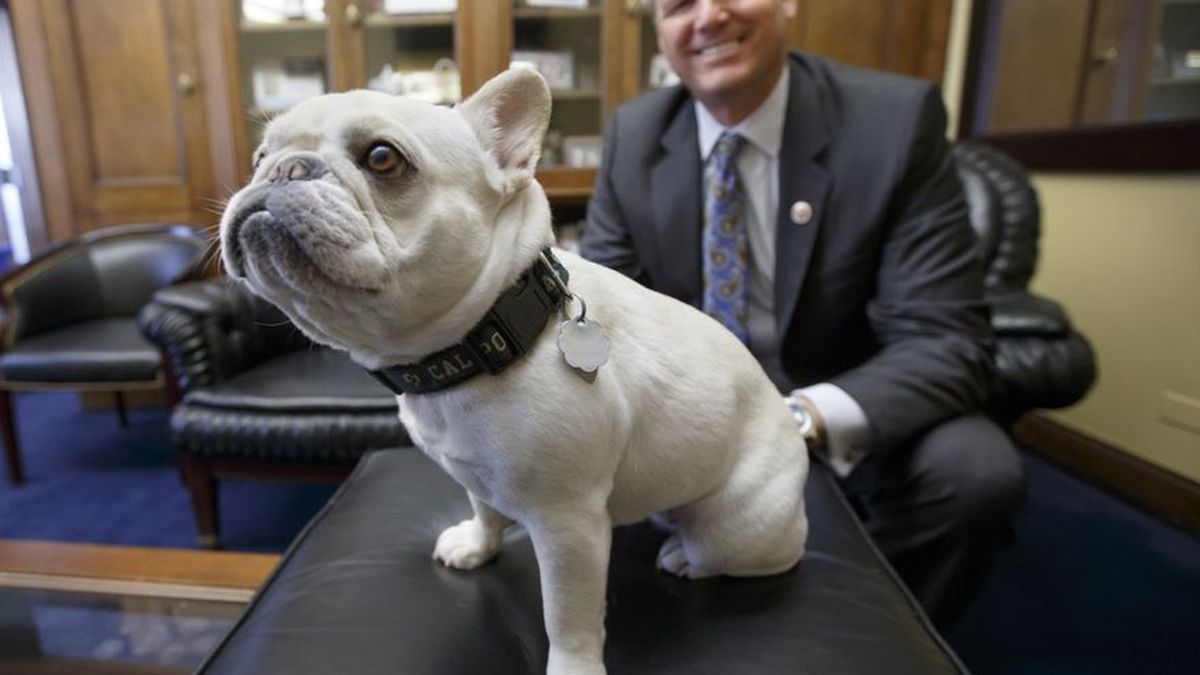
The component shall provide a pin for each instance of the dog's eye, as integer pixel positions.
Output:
(257, 160)
(382, 158)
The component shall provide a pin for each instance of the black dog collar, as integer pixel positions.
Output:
(506, 332)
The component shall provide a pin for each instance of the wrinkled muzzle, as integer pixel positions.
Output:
(300, 230)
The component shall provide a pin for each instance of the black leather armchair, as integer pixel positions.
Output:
(259, 399)
(1042, 362)
(68, 316)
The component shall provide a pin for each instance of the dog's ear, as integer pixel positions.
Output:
(510, 114)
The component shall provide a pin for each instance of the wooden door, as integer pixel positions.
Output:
(1121, 43)
(124, 132)
(1058, 65)
(901, 36)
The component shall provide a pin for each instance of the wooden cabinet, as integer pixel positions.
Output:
(119, 125)
(149, 109)
(596, 55)
(1061, 65)
(441, 50)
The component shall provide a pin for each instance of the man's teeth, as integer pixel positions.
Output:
(717, 50)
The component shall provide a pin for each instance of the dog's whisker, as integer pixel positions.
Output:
(211, 253)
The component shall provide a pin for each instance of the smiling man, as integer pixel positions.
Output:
(814, 209)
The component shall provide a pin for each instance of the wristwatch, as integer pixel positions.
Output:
(806, 419)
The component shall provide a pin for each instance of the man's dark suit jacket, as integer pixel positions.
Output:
(880, 293)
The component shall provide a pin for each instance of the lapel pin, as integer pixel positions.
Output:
(802, 213)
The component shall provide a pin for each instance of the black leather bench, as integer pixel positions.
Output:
(358, 592)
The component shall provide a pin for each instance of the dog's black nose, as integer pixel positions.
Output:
(299, 166)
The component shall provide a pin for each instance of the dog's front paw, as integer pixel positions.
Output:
(466, 546)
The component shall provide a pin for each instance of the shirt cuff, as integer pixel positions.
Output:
(847, 430)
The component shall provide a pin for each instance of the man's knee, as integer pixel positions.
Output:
(975, 464)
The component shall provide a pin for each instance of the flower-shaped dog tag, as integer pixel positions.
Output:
(583, 344)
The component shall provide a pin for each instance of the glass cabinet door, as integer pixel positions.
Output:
(562, 39)
(282, 57)
(408, 48)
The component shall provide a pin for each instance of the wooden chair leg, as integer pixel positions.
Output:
(122, 414)
(202, 485)
(170, 382)
(16, 474)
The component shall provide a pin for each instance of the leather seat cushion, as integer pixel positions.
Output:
(306, 380)
(358, 593)
(99, 350)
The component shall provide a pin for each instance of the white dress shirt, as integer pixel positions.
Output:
(846, 425)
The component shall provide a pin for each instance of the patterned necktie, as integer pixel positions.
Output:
(726, 247)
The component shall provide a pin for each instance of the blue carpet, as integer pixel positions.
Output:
(89, 480)
(1090, 585)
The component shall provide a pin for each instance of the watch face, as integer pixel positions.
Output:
(803, 418)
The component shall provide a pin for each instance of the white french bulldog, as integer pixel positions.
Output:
(388, 227)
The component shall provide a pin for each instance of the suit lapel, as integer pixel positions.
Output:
(675, 190)
(801, 178)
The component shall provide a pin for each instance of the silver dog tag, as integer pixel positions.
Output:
(584, 345)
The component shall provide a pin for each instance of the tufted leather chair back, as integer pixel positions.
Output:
(257, 332)
(1005, 214)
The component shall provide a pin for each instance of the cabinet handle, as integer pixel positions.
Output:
(1106, 58)
(185, 83)
(353, 15)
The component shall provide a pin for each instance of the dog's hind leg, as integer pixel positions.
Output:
(730, 535)
(472, 542)
(755, 525)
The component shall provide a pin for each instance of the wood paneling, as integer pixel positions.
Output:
(346, 42)
(1118, 60)
(902, 36)
(131, 123)
(140, 142)
(1039, 64)
(919, 38)
(621, 48)
(216, 40)
(483, 35)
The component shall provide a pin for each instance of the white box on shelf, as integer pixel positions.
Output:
(283, 83)
(581, 151)
(278, 11)
(419, 6)
(441, 85)
(573, 4)
(557, 67)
